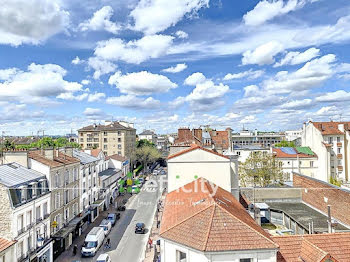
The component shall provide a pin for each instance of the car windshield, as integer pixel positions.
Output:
(111, 216)
(139, 224)
(90, 244)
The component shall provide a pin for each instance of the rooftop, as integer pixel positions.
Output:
(147, 133)
(313, 248)
(60, 159)
(206, 222)
(95, 152)
(195, 147)
(290, 152)
(109, 172)
(14, 174)
(109, 127)
(331, 128)
(4, 244)
(84, 157)
(117, 157)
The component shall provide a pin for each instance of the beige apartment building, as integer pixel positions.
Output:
(116, 137)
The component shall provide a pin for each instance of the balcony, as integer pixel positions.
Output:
(22, 257)
(339, 144)
(39, 219)
(21, 231)
(46, 216)
(339, 156)
(340, 168)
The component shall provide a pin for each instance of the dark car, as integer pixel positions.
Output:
(121, 208)
(140, 228)
(117, 216)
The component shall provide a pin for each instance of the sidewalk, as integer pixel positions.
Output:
(67, 256)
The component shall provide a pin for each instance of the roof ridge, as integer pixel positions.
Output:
(270, 240)
(325, 253)
(185, 219)
(209, 228)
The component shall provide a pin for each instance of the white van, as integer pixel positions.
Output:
(93, 242)
(106, 225)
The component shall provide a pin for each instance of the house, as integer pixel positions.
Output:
(330, 141)
(114, 137)
(243, 152)
(334, 247)
(203, 222)
(25, 213)
(196, 161)
(162, 143)
(119, 162)
(300, 159)
(148, 135)
(7, 250)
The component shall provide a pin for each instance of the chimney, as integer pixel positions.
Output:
(329, 219)
(48, 153)
(68, 151)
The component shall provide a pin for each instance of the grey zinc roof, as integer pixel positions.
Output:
(14, 174)
(84, 157)
(147, 132)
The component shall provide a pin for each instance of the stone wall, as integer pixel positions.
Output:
(272, 194)
(6, 214)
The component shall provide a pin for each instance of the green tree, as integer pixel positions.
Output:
(145, 155)
(144, 142)
(8, 145)
(285, 143)
(47, 142)
(260, 169)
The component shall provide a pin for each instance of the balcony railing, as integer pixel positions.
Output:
(339, 144)
(21, 231)
(340, 168)
(39, 219)
(22, 257)
(339, 156)
(46, 216)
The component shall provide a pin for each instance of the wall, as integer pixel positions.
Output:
(6, 217)
(273, 194)
(319, 194)
(16, 156)
(9, 254)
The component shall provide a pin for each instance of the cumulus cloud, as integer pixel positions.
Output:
(101, 66)
(267, 10)
(298, 104)
(262, 55)
(153, 16)
(141, 83)
(175, 69)
(101, 20)
(194, 79)
(248, 119)
(96, 97)
(327, 111)
(294, 58)
(181, 34)
(337, 96)
(177, 102)
(134, 102)
(93, 112)
(6, 74)
(135, 51)
(85, 82)
(72, 96)
(77, 61)
(250, 74)
(31, 21)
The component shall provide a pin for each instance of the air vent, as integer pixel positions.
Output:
(13, 166)
(198, 202)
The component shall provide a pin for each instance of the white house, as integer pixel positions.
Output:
(189, 164)
(25, 212)
(330, 141)
(148, 135)
(243, 152)
(7, 250)
(119, 162)
(108, 183)
(292, 135)
(203, 223)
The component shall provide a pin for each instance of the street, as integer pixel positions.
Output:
(125, 244)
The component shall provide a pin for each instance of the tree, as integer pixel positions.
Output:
(145, 155)
(144, 142)
(47, 142)
(8, 145)
(260, 169)
(285, 143)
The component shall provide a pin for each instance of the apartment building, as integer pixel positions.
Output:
(112, 137)
(243, 152)
(265, 139)
(119, 162)
(148, 135)
(7, 250)
(330, 141)
(25, 213)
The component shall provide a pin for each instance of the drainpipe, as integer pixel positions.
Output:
(329, 219)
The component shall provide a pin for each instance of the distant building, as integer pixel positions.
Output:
(330, 141)
(148, 135)
(265, 139)
(72, 138)
(25, 213)
(293, 135)
(162, 143)
(112, 137)
(196, 161)
(243, 152)
(200, 224)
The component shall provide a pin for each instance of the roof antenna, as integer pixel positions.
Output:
(340, 117)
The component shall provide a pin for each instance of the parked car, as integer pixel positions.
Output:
(104, 258)
(141, 180)
(112, 217)
(121, 208)
(140, 228)
(93, 241)
(106, 225)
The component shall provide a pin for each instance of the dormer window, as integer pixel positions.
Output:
(23, 193)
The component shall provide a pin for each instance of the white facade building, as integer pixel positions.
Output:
(292, 135)
(148, 135)
(194, 162)
(119, 162)
(25, 212)
(265, 139)
(243, 152)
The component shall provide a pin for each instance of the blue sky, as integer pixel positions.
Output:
(163, 64)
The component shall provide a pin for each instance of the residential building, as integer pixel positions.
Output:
(88, 181)
(293, 135)
(119, 162)
(108, 183)
(7, 250)
(73, 138)
(162, 143)
(112, 137)
(243, 152)
(330, 141)
(196, 161)
(202, 222)
(148, 135)
(300, 159)
(98, 153)
(265, 139)
(25, 213)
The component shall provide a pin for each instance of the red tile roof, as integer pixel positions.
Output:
(331, 128)
(117, 157)
(59, 160)
(4, 244)
(195, 218)
(95, 152)
(194, 147)
(314, 248)
(280, 154)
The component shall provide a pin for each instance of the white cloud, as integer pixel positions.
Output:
(101, 66)
(328, 111)
(141, 83)
(38, 81)
(101, 20)
(134, 102)
(250, 74)
(6, 74)
(71, 96)
(194, 79)
(248, 119)
(294, 58)
(85, 82)
(337, 96)
(175, 69)
(30, 21)
(135, 51)
(181, 34)
(96, 97)
(262, 55)
(93, 112)
(177, 102)
(77, 61)
(297, 104)
(267, 10)
(153, 16)
(251, 90)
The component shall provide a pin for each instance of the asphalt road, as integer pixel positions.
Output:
(125, 244)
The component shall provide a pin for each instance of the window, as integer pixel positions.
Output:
(105, 140)
(119, 146)
(119, 139)
(104, 133)
(119, 133)
(330, 140)
(339, 150)
(57, 200)
(339, 162)
(119, 152)
(45, 212)
(338, 139)
(66, 197)
(104, 146)
(38, 215)
(20, 222)
(180, 256)
(57, 180)
(29, 217)
(246, 260)
(311, 163)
